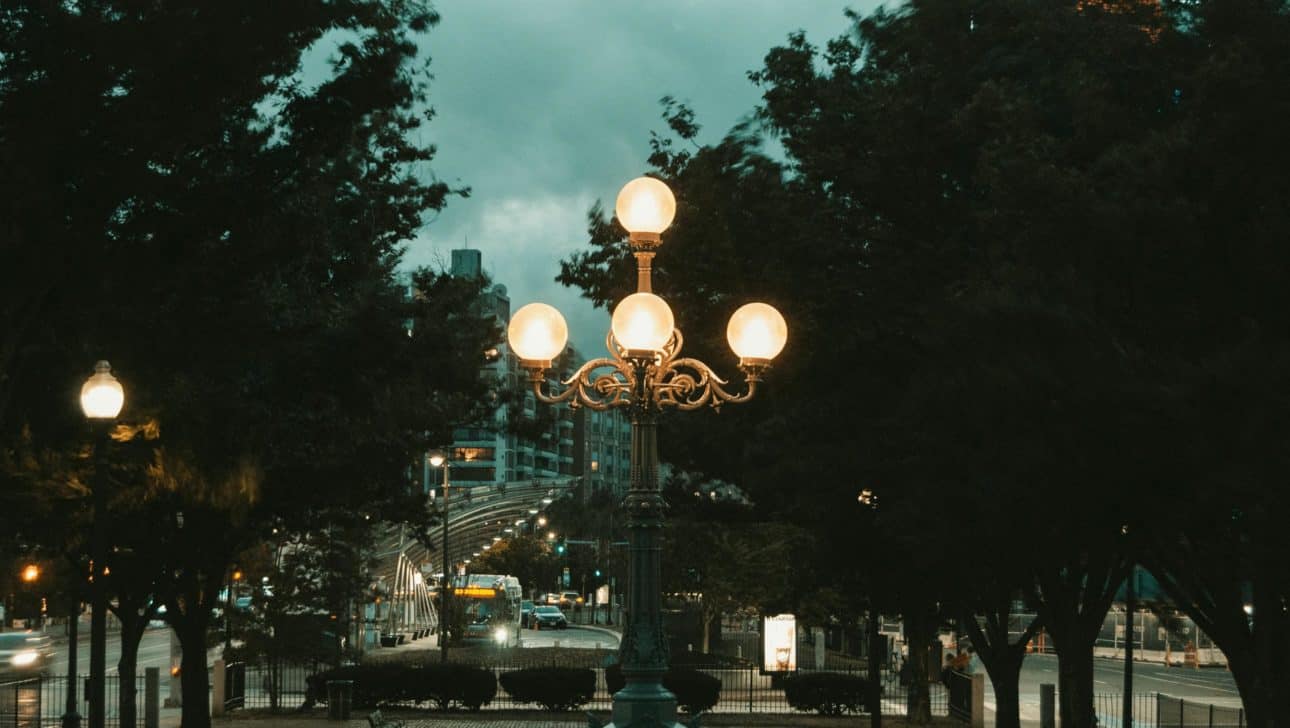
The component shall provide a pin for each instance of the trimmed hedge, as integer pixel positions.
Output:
(827, 693)
(444, 685)
(553, 688)
(695, 691)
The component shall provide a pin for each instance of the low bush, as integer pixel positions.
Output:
(827, 693)
(553, 688)
(444, 685)
(695, 691)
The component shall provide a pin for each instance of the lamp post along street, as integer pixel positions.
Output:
(441, 460)
(644, 374)
(101, 400)
(71, 718)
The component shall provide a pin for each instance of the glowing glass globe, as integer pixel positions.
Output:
(537, 332)
(645, 205)
(642, 322)
(757, 331)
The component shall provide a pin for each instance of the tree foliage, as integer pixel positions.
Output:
(224, 224)
(1025, 250)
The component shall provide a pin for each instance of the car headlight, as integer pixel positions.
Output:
(500, 635)
(25, 658)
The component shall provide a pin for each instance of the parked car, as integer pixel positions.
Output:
(526, 612)
(549, 617)
(25, 653)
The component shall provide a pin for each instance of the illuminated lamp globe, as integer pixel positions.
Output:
(537, 333)
(757, 333)
(642, 322)
(645, 207)
(102, 395)
(437, 459)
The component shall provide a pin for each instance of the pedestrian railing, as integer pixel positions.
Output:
(41, 702)
(744, 689)
(1109, 709)
(1174, 712)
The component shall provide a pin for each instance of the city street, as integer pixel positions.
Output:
(1204, 685)
(154, 650)
(575, 636)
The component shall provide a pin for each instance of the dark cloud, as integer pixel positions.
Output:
(544, 108)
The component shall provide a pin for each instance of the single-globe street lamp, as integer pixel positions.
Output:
(439, 460)
(644, 374)
(101, 399)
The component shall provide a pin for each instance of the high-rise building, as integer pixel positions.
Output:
(519, 441)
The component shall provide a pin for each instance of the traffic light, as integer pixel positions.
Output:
(597, 573)
(560, 547)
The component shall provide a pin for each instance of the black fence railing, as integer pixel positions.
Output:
(234, 685)
(1109, 709)
(1174, 712)
(41, 702)
(744, 689)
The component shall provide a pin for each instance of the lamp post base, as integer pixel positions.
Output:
(642, 705)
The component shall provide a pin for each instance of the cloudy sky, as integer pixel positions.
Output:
(545, 107)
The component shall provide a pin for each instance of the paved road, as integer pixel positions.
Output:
(1206, 685)
(154, 650)
(575, 636)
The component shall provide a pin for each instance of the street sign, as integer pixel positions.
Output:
(564, 578)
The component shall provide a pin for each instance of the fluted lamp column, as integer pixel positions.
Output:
(644, 373)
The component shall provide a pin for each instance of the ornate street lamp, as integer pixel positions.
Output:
(440, 460)
(644, 374)
(101, 400)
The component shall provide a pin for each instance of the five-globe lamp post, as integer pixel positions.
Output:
(101, 400)
(644, 374)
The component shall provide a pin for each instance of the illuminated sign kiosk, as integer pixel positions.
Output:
(779, 643)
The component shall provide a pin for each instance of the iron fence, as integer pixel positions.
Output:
(41, 702)
(1174, 712)
(744, 689)
(1109, 709)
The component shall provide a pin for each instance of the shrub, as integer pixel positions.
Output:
(827, 693)
(695, 691)
(383, 684)
(445, 684)
(554, 688)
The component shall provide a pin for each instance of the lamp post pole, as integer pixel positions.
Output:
(644, 374)
(445, 585)
(98, 591)
(72, 719)
(101, 400)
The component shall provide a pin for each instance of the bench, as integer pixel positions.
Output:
(376, 720)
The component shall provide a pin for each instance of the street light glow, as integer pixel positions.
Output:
(642, 322)
(645, 205)
(757, 331)
(102, 395)
(31, 573)
(537, 332)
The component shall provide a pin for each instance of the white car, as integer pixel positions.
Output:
(25, 653)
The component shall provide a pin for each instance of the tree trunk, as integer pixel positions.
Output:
(920, 629)
(707, 632)
(196, 711)
(1075, 686)
(1001, 657)
(1007, 699)
(131, 633)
